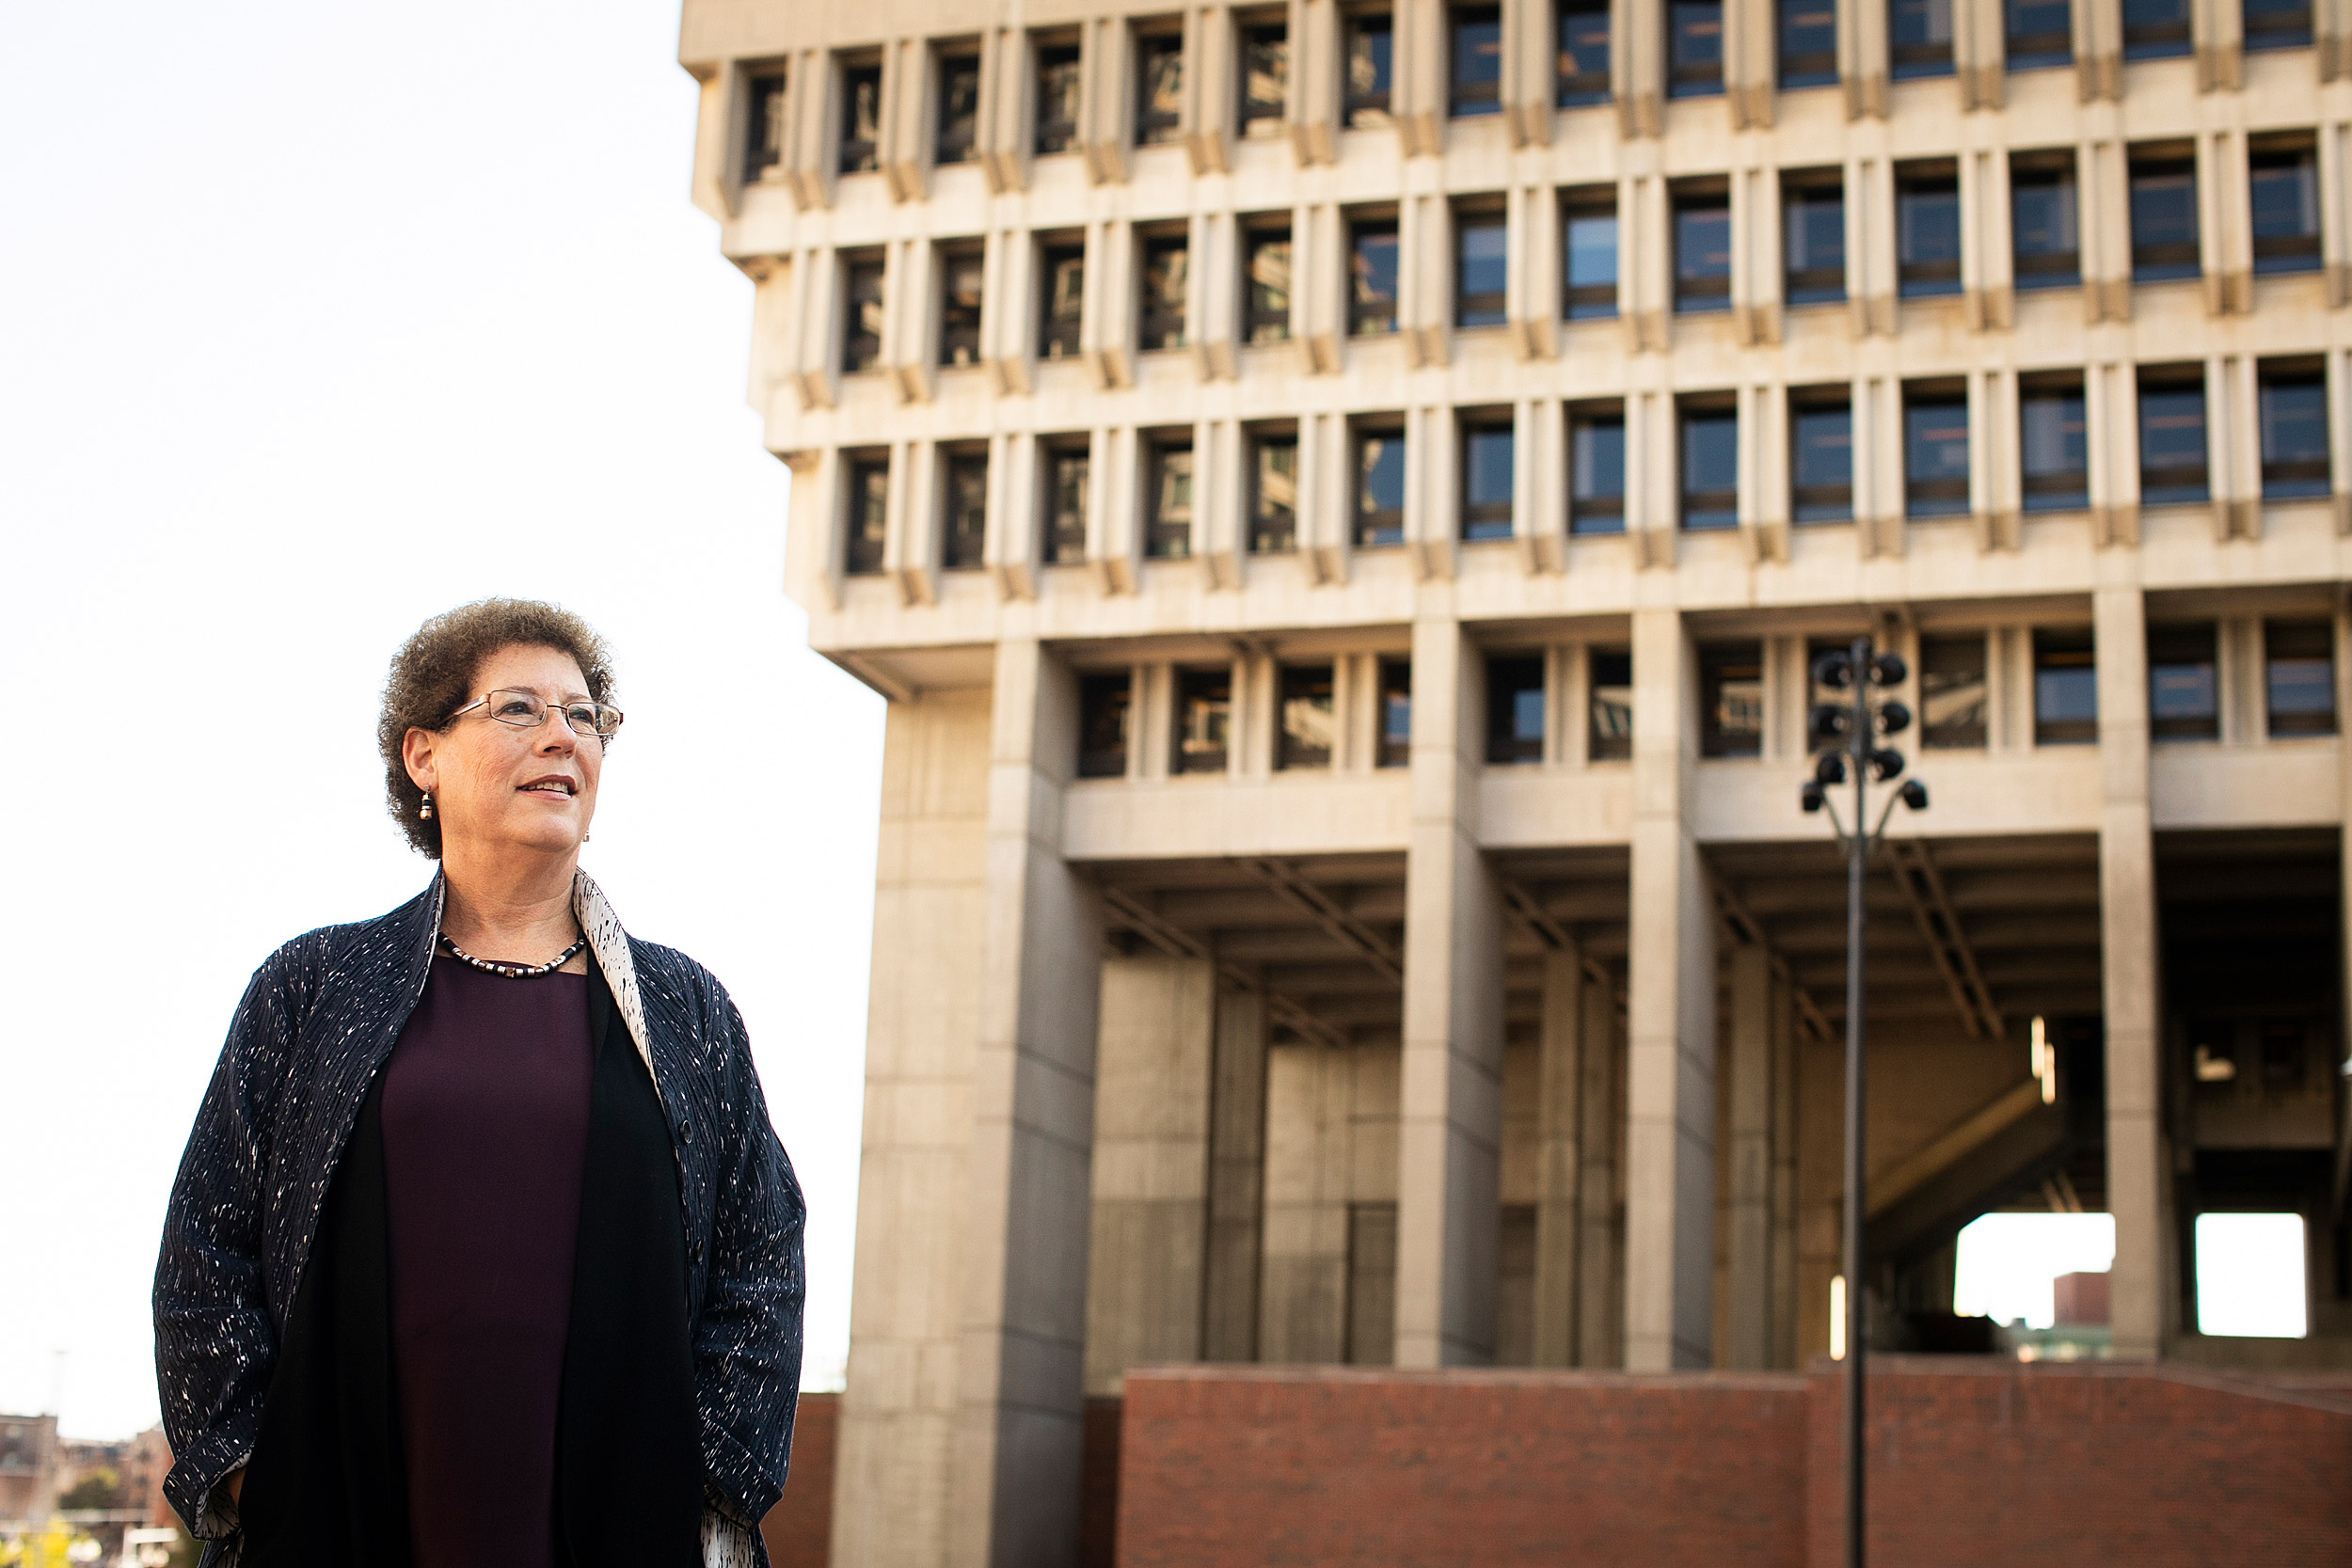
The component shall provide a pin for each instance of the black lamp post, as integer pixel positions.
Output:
(1844, 737)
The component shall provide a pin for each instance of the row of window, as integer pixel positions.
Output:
(2052, 443)
(2183, 704)
(2282, 180)
(2037, 33)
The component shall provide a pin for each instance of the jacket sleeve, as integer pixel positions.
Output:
(747, 1340)
(215, 1345)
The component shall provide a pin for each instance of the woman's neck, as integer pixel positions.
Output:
(513, 915)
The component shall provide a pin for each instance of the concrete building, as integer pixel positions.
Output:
(1342, 500)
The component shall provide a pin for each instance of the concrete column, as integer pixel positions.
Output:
(1559, 1164)
(1018, 1363)
(898, 1414)
(1302, 1314)
(1237, 1127)
(1600, 1100)
(1450, 1135)
(2127, 926)
(1670, 1094)
(1750, 1215)
(1783, 1197)
(1145, 1274)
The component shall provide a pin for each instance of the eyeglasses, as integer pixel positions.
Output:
(527, 710)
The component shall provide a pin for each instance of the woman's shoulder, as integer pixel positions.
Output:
(305, 962)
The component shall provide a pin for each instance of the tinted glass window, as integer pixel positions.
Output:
(1935, 456)
(869, 516)
(2276, 23)
(1372, 280)
(1702, 253)
(1066, 483)
(2284, 192)
(1104, 702)
(1596, 474)
(1371, 40)
(1205, 712)
(959, 109)
(1274, 494)
(1731, 701)
(1808, 43)
(1062, 307)
(862, 323)
(1583, 69)
(2155, 29)
(861, 118)
(965, 544)
(763, 146)
(2065, 689)
(1821, 463)
(1269, 275)
(1265, 80)
(2051, 435)
(1951, 691)
(1161, 321)
(1160, 88)
(2039, 34)
(1477, 60)
(2294, 409)
(1694, 48)
(1170, 535)
(959, 276)
(1481, 262)
(1919, 37)
(1396, 712)
(1610, 715)
(2300, 664)
(1711, 470)
(2171, 442)
(1057, 99)
(1486, 481)
(1591, 250)
(2164, 220)
(2042, 222)
(1813, 231)
(1379, 490)
(2182, 697)
(1515, 709)
(1305, 717)
(1927, 233)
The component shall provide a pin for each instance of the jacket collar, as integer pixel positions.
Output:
(607, 941)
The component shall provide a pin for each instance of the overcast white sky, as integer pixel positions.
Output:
(314, 320)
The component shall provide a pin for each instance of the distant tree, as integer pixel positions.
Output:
(100, 1488)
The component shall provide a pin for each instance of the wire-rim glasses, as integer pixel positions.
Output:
(527, 710)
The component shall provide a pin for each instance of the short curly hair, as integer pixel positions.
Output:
(433, 675)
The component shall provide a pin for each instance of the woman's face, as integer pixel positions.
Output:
(497, 787)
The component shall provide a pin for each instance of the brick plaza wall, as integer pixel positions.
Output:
(799, 1530)
(1972, 1462)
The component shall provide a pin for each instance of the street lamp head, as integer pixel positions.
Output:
(1811, 796)
(1894, 717)
(1828, 725)
(1914, 794)
(1835, 671)
(1888, 670)
(1886, 764)
(1829, 768)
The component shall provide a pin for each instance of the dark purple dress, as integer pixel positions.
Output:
(486, 1126)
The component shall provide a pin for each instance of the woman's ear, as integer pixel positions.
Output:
(416, 755)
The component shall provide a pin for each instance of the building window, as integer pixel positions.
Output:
(1919, 39)
(960, 275)
(2039, 34)
(2183, 701)
(2042, 222)
(1821, 458)
(2172, 436)
(1597, 473)
(1160, 88)
(1813, 234)
(1588, 248)
(1065, 505)
(2294, 410)
(1265, 79)
(1379, 487)
(1204, 714)
(1703, 252)
(2299, 668)
(1372, 278)
(1266, 285)
(959, 139)
(763, 139)
(1926, 231)
(861, 321)
(965, 541)
(1371, 53)
(2283, 185)
(1731, 701)
(1274, 494)
(1057, 99)
(1168, 530)
(1694, 48)
(1609, 711)
(1952, 692)
(869, 521)
(2276, 23)
(1808, 43)
(1160, 320)
(1583, 69)
(1515, 708)
(2065, 689)
(2153, 29)
(1486, 481)
(1063, 306)
(1935, 452)
(2164, 217)
(1396, 712)
(2051, 438)
(1481, 265)
(861, 119)
(1477, 84)
(1305, 717)
(1104, 705)
(1710, 468)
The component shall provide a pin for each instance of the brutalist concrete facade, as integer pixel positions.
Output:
(1342, 500)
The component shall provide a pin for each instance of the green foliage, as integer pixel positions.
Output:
(99, 1489)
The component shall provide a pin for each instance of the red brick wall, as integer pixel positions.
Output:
(1328, 1465)
(799, 1530)
(1990, 1461)
(1973, 1461)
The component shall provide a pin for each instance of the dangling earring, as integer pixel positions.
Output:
(585, 837)
(425, 812)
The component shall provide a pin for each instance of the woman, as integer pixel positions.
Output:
(483, 1250)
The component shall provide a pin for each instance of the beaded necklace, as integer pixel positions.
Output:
(515, 971)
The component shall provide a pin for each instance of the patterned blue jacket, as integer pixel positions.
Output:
(316, 1024)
